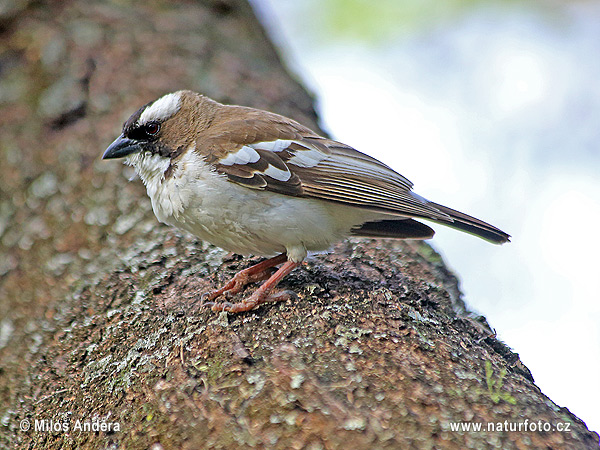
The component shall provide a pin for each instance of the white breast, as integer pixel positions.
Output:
(239, 219)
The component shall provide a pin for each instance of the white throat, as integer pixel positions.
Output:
(170, 195)
(150, 168)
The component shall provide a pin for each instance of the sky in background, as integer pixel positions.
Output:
(493, 109)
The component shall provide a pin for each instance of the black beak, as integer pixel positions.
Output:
(121, 147)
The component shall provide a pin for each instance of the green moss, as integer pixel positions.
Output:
(494, 385)
(427, 252)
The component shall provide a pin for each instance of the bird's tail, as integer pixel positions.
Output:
(468, 224)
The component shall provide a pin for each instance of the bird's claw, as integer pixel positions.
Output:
(219, 306)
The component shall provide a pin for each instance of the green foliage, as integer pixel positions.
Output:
(369, 20)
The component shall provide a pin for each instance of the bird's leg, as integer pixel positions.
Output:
(262, 294)
(257, 272)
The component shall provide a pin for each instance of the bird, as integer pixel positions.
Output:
(257, 183)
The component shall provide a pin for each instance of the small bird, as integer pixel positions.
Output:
(255, 182)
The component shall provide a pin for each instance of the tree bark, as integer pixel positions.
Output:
(100, 318)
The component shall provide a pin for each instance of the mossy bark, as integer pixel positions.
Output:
(100, 319)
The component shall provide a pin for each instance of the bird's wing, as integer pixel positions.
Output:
(270, 152)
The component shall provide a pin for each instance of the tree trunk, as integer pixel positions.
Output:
(101, 325)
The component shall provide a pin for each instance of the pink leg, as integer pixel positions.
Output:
(262, 294)
(254, 273)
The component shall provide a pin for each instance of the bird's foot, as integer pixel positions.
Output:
(258, 272)
(262, 295)
(236, 284)
(256, 299)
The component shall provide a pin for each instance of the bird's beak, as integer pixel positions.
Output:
(121, 147)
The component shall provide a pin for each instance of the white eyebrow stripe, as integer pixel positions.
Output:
(277, 174)
(244, 155)
(272, 146)
(161, 109)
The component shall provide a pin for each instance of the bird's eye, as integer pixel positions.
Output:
(152, 128)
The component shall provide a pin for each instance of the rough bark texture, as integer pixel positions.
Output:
(99, 311)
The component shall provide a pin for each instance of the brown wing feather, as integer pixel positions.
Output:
(342, 174)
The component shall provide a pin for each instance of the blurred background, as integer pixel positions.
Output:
(492, 108)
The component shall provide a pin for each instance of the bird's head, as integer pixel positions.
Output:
(162, 130)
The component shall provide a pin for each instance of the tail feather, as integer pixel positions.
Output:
(394, 228)
(468, 224)
(406, 228)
